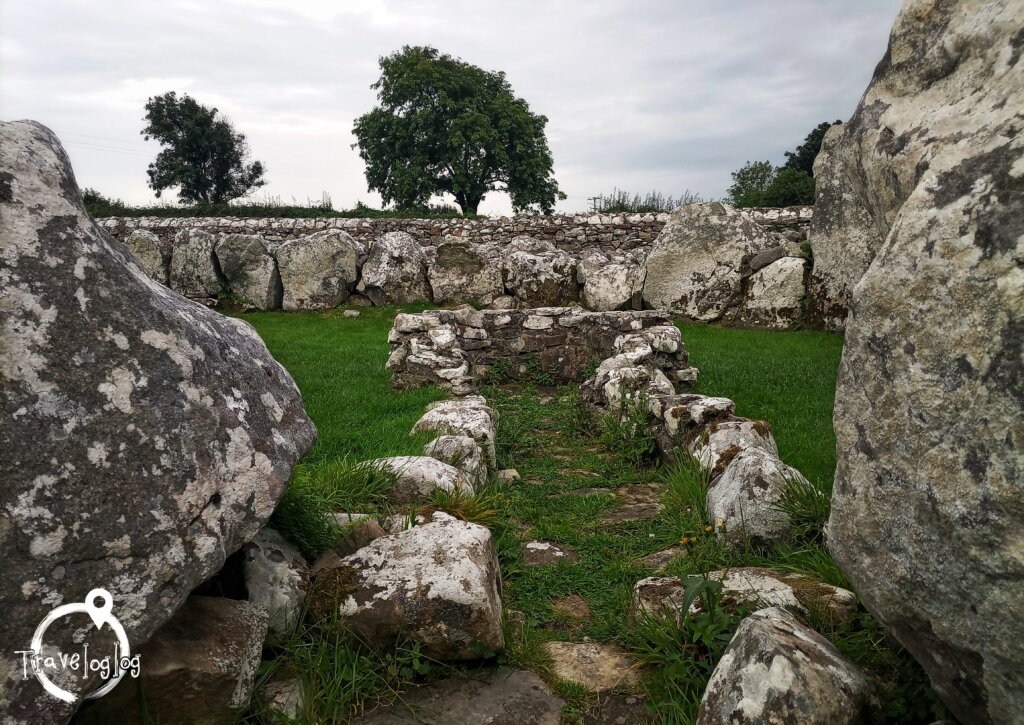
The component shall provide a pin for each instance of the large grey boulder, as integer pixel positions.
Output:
(193, 267)
(145, 438)
(437, 585)
(539, 275)
(249, 270)
(928, 506)
(697, 263)
(462, 272)
(153, 253)
(778, 670)
(318, 271)
(842, 234)
(395, 272)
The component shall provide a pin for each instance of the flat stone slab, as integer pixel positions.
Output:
(632, 512)
(498, 697)
(597, 667)
(619, 710)
(572, 606)
(661, 559)
(540, 553)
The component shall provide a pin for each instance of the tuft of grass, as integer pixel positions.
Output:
(808, 506)
(316, 491)
(477, 508)
(628, 434)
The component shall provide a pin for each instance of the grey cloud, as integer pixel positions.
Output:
(660, 94)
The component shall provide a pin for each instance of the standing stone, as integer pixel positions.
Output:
(145, 438)
(695, 266)
(250, 271)
(775, 296)
(777, 670)
(610, 284)
(199, 667)
(843, 235)
(193, 268)
(153, 253)
(928, 507)
(317, 271)
(395, 272)
(462, 273)
(538, 274)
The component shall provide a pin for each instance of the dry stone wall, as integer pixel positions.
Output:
(576, 233)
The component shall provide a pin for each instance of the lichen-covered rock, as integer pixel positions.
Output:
(395, 272)
(193, 270)
(721, 440)
(748, 588)
(317, 271)
(153, 253)
(469, 416)
(416, 477)
(436, 585)
(610, 284)
(249, 270)
(539, 275)
(199, 667)
(843, 235)
(775, 296)
(461, 272)
(777, 670)
(695, 266)
(276, 578)
(462, 452)
(928, 509)
(283, 698)
(678, 421)
(742, 501)
(145, 437)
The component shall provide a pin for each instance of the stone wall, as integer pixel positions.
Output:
(452, 348)
(576, 233)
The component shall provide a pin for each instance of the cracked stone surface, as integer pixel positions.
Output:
(147, 437)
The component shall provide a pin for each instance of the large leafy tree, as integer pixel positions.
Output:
(758, 183)
(445, 126)
(203, 155)
(802, 159)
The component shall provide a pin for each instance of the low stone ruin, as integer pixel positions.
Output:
(454, 348)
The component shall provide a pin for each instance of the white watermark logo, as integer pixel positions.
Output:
(99, 605)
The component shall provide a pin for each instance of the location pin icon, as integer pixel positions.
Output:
(99, 604)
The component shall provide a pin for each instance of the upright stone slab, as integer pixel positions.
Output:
(395, 272)
(193, 268)
(928, 507)
(318, 271)
(249, 270)
(696, 265)
(153, 253)
(144, 437)
(462, 272)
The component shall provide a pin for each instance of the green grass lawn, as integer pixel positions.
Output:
(559, 448)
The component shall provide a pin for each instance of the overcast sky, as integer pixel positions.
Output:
(669, 95)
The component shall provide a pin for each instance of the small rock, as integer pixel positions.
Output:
(508, 475)
(283, 698)
(632, 512)
(462, 452)
(350, 313)
(572, 606)
(776, 669)
(417, 477)
(661, 559)
(722, 440)
(597, 667)
(539, 553)
(276, 578)
(469, 416)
